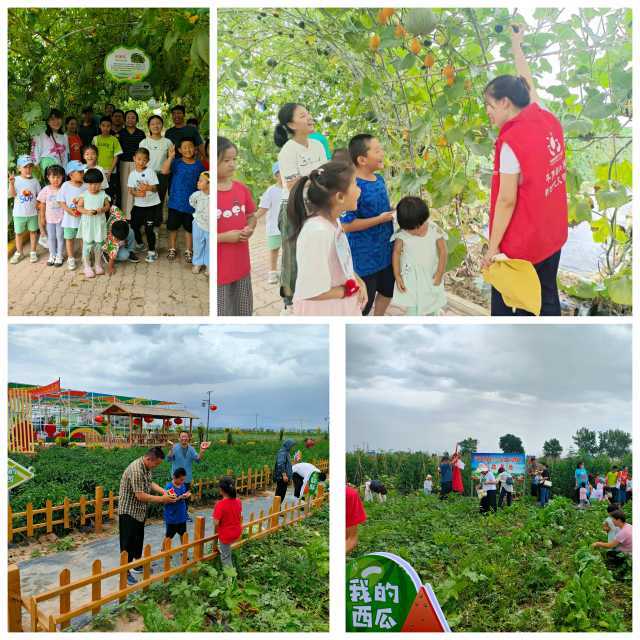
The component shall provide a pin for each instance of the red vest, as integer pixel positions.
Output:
(539, 224)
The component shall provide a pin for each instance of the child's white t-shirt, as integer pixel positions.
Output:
(105, 183)
(150, 198)
(24, 204)
(296, 160)
(158, 151)
(271, 200)
(68, 193)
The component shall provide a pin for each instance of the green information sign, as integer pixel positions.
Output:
(314, 478)
(17, 474)
(141, 91)
(381, 589)
(127, 65)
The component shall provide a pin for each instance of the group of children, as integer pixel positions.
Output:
(345, 251)
(75, 204)
(227, 513)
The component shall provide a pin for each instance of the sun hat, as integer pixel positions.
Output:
(275, 168)
(74, 165)
(23, 161)
(482, 467)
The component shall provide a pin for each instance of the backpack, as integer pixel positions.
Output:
(509, 481)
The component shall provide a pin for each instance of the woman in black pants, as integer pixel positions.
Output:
(283, 470)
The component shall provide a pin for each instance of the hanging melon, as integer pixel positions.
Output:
(419, 22)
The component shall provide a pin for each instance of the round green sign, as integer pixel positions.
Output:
(127, 65)
(381, 589)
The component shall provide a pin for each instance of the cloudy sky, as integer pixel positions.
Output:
(279, 372)
(412, 387)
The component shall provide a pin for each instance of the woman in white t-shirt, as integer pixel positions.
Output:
(298, 156)
(326, 283)
(158, 147)
(52, 145)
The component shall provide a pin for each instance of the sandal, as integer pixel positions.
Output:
(171, 254)
(188, 256)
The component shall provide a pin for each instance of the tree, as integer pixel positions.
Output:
(511, 444)
(552, 448)
(586, 441)
(468, 445)
(614, 442)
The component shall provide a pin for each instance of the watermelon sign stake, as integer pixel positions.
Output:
(384, 593)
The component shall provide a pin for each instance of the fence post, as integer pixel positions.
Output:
(250, 527)
(48, 505)
(97, 523)
(249, 483)
(15, 598)
(10, 524)
(275, 510)
(166, 545)
(29, 516)
(65, 514)
(110, 505)
(65, 598)
(146, 568)
(83, 510)
(124, 559)
(198, 534)
(185, 552)
(96, 586)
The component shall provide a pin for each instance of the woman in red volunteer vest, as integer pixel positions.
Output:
(528, 218)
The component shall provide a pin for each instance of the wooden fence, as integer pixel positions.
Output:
(85, 511)
(189, 553)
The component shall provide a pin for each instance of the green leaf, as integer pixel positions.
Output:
(597, 108)
(612, 198)
(620, 289)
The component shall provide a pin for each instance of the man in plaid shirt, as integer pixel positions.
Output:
(136, 486)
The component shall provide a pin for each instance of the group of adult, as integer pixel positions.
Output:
(65, 138)
(288, 471)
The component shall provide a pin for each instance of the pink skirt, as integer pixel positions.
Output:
(338, 307)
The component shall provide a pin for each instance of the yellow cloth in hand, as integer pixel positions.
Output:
(518, 283)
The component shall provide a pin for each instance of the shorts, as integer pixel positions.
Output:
(25, 223)
(70, 233)
(274, 242)
(179, 219)
(381, 282)
(172, 529)
(142, 216)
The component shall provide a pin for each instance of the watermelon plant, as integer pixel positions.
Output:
(524, 569)
(415, 78)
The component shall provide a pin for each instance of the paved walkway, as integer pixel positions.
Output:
(41, 574)
(266, 298)
(159, 289)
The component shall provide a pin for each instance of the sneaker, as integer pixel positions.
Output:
(274, 277)
(16, 257)
(137, 571)
(58, 261)
(88, 271)
(98, 267)
(196, 268)
(188, 256)
(51, 261)
(131, 579)
(140, 247)
(133, 258)
(71, 264)
(287, 311)
(43, 242)
(152, 256)
(171, 255)
(33, 257)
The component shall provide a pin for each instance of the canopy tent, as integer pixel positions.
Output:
(143, 411)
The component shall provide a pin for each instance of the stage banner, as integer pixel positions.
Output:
(514, 463)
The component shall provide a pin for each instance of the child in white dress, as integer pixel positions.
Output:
(92, 205)
(419, 259)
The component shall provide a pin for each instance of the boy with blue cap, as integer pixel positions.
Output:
(68, 197)
(270, 204)
(24, 189)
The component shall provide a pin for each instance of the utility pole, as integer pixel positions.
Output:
(208, 412)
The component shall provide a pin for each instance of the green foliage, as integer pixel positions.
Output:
(511, 444)
(552, 448)
(614, 442)
(522, 569)
(586, 441)
(437, 138)
(468, 445)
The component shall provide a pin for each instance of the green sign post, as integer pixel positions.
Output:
(17, 474)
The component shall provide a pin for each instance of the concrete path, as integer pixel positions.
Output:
(41, 574)
(162, 288)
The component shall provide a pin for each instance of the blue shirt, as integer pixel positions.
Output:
(581, 476)
(446, 473)
(181, 457)
(176, 512)
(371, 248)
(184, 181)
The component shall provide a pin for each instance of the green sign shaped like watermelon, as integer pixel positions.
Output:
(384, 593)
(127, 65)
(17, 474)
(314, 478)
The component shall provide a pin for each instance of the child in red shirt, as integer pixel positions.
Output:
(227, 519)
(75, 141)
(236, 224)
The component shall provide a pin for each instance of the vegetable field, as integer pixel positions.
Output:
(523, 569)
(76, 471)
(281, 586)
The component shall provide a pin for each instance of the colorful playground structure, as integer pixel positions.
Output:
(45, 414)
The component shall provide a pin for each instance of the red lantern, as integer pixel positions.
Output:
(137, 421)
(50, 429)
(178, 420)
(148, 419)
(213, 407)
(78, 435)
(309, 442)
(99, 419)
